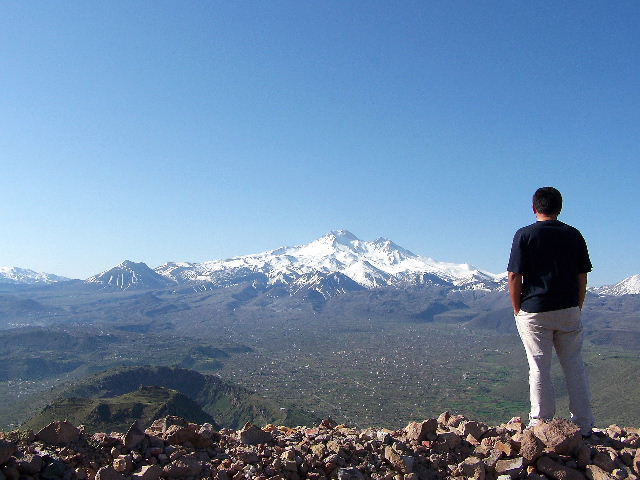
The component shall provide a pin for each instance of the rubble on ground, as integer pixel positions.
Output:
(450, 446)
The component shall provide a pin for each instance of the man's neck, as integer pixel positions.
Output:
(544, 218)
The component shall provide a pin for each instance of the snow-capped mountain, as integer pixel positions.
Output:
(628, 286)
(130, 275)
(370, 264)
(24, 276)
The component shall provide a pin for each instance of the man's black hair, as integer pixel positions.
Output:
(547, 200)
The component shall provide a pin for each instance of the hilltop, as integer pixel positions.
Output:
(451, 446)
(113, 399)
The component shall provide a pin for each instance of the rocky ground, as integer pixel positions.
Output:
(448, 447)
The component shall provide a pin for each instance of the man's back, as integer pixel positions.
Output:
(550, 255)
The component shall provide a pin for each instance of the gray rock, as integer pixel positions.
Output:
(350, 474)
(134, 436)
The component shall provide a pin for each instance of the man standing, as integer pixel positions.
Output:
(548, 269)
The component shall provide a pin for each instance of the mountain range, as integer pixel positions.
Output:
(335, 263)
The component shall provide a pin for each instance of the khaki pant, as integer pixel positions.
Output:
(540, 334)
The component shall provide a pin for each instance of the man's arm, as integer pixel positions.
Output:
(515, 290)
(582, 288)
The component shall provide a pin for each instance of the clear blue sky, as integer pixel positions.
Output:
(188, 131)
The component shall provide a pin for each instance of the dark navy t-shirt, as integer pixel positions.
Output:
(550, 255)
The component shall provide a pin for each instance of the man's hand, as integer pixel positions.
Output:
(515, 290)
(582, 288)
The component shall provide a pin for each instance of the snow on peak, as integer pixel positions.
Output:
(628, 286)
(370, 264)
(128, 275)
(343, 235)
(17, 275)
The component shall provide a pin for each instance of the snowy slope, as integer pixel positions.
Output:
(628, 286)
(16, 275)
(130, 275)
(368, 263)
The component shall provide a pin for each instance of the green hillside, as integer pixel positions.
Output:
(118, 413)
(112, 400)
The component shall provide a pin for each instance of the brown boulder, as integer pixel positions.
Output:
(29, 464)
(252, 435)
(447, 441)
(179, 435)
(530, 448)
(596, 473)
(400, 462)
(108, 473)
(421, 431)
(559, 436)
(185, 466)
(473, 428)
(161, 425)
(58, 433)
(605, 459)
(473, 468)
(510, 466)
(556, 470)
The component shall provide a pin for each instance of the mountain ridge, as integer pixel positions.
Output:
(369, 264)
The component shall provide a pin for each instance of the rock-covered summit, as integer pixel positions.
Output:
(451, 446)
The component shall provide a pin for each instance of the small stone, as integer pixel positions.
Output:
(556, 470)
(530, 448)
(350, 474)
(123, 463)
(185, 466)
(584, 456)
(6, 450)
(319, 450)
(473, 468)
(399, 462)
(506, 447)
(108, 473)
(30, 464)
(473, 428)
(605, 460)
(248, 456)
(511, 466)
(447, 441)
(594, 472)
(636, 462)
(148, 472)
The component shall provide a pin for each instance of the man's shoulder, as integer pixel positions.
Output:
(526, 229)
